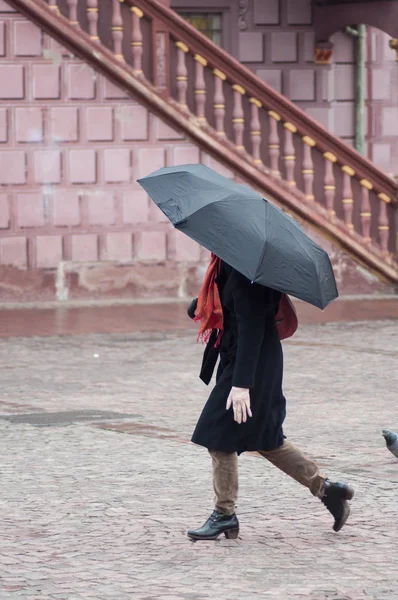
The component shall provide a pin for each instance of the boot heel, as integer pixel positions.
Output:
(231, 534)
(349, 493)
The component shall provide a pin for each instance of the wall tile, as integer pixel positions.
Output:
(12, 82)
(81, 82)
(309, 46)
(151, 245)
(302, 84)
(46, 82)
(149, 159)
(66, 208)
(64, 124)
(2, 38)
(381, 84)
(165, 132)
(4, 211)
(135, 206)
(344, 48)
(47, 166)
(48, 251)
(382, 155)
(284, 47)
(389, 121)
(14, 251)
(271, 76)
(27, 39)
(3, 125)
(30, 210)
(28, 124)
(184, 155)
(345, 82)
(325, 116)
(84, 247)
(133, 122)
(12, 167)
(112, 92)
(185, 248)
(82, 166)
(299, 12)
(99, 123)
(251, 47)
(266, 12)
(119, 246)
(117, 165)
(101, 209)
(344, 119)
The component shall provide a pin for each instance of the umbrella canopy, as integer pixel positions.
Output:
(246, 231)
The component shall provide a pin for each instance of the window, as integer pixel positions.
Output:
(207, 23)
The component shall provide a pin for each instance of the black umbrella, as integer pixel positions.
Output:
(246, 231)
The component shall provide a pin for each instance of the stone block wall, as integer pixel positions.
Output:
(73, 222)
(72, 146)
(278, 45)
(383, 146)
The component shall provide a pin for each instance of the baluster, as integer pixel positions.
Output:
(366, 213)
(117, 30)
(219, 101)
(136, 37)
(238, 116)
(348, 200)
(384, 227)
(72, 12)
(274, 145)
(290, 153)
(53, 5)
(200, 87)
(92, 15)
(182, 74)
(255, 130)
(329, 183)
(308, 168)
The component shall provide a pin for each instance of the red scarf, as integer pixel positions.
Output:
(209, 310)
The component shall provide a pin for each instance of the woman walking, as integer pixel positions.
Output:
(246, 409)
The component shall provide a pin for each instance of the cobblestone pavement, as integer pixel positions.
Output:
(99, 508)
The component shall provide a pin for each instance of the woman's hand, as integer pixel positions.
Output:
(239, 399)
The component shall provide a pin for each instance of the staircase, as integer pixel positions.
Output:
(267, 141)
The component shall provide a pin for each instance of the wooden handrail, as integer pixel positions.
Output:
(237, 73)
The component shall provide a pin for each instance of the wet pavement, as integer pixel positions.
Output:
(66, 320)
(99, 481)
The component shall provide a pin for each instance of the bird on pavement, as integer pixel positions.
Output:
(391, 441)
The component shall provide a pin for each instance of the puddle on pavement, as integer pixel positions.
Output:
(101, 419)
(141, 429)
(69, 417)
(312, 344)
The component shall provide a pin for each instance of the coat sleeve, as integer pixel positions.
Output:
(254, 306)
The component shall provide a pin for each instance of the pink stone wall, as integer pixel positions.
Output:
(73, 222)
(71, 148)
(383, 100)
(277, 43)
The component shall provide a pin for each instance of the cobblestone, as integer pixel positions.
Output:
(91, 513)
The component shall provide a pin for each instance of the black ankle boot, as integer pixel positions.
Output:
(335, 500)
(217, 524)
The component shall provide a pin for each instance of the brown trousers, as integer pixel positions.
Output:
(287, 458)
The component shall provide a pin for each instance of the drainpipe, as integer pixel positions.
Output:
(359, 33)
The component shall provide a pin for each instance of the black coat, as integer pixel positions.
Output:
(250, 357)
